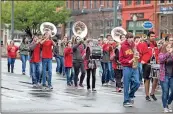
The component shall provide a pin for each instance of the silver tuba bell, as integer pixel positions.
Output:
(80, 29)
(116, 32)
(48, 27)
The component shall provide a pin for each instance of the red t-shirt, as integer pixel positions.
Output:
(36, 54)
(68, 57)
(12, 51)
(47, 49)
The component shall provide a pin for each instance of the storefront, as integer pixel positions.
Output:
(137, 28)
(165, 20)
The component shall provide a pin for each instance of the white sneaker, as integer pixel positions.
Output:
(169, 108)
(166, 110)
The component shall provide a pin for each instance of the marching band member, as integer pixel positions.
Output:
(90, 66)
(61, 55)
(105, 62)
(56, 55)
(130, 74)
(68, 63)
(24, 51)
(78, 62)
(117, 68)
(35, 59)
(149, 54)
(47, 44)
(166, 76)
(12, 54)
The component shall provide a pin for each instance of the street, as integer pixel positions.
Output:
(19, 96)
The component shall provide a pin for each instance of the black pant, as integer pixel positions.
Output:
(78, 65)
(89, 71)
(118, 77)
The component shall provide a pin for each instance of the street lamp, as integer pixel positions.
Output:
(135, 21)
(7, 27)
(101, 10)
(12, 19)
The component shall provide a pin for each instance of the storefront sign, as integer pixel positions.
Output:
(165, 9)
(148, 25)
(138, 15)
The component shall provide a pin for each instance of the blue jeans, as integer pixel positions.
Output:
(130, 80)
(35, 72)
(11, 62)
(167, 87)
(140, 71)
(24, 58)
(107, 72)
(41, 72)
(58, 64)
(47, 63)
(69, 74)
(61, 64)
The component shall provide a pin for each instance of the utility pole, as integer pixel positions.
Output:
(115, 13)
(12, 19)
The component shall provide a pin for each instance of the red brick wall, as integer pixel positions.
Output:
(87, 4)
(148, 10)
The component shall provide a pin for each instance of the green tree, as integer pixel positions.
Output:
(28, 15)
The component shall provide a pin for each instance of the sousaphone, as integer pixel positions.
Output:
(48, 27)
(80, 29)
(117, 32)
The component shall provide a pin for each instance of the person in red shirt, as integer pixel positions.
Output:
(47, 55)
(149, 54)
(35, 59)
(68, 63)
(12, 53)
(130, 74)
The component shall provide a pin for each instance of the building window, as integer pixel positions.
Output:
(95, 4)
(138, 2)
(78, 4)
(101, 2)
(67, 4)
(107, 3)
(162, 1)
(147, 1)
(73, 4)
(170, 1)
(91, 4)
(129, 2)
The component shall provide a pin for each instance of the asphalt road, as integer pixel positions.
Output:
(19, 96)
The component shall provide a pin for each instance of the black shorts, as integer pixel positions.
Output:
(146, 71)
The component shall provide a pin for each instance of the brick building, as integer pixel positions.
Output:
(165, 17)
(144, 10)
(96, 14)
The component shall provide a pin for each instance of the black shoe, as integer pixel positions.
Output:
(23, 73)
(8, 68)
(147, 98)
(153, 97)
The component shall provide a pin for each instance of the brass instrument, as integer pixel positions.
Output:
(80, 29)
(116, 32)
(135, 58)
(48, 27)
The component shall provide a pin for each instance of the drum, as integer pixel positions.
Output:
(155, 69)
(96, 52)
